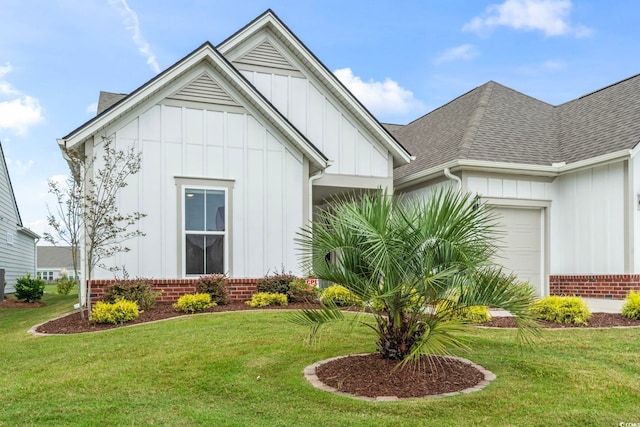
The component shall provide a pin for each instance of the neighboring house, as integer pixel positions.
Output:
(52, 260)
(240, 143)
(565, 180)
(17, 243)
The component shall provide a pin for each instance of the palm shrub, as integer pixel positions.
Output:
(413, 263)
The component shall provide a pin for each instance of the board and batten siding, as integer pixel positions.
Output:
(326, 125)
(587, 221)
(180, 141)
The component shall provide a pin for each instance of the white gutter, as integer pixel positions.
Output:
(448, 174)
(554, 170)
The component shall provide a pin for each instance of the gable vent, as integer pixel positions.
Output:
(204, 89)
(266, 55)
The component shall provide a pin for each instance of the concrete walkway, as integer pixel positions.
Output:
(596, 305)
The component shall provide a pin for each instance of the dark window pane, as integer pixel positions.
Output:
(215, 210)
(194, 249)
(215, 254)
(194, 209)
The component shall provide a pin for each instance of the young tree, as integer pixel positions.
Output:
(415, 265)
(66, 219)
(87, 208)
(105, 228)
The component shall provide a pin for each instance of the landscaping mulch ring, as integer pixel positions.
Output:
(9, 302)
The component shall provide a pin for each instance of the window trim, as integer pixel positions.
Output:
(226, 185)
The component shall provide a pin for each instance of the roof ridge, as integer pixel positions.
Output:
(474, 121)
(599, 90)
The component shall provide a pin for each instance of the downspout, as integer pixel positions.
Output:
(312, 178)
(448, 174)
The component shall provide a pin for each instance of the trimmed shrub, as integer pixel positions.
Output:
(340, 296)
(29, 289)
(121, 311)
(139, 291)
(473, 314)
(190, 303)
(562, 310)
(631, 307)
(265, 299)
(64, 285)
(277, 283)
(300, 291)
(216, 286)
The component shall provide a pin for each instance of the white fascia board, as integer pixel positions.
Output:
(509, 168)
(321, 72)
(29, 232)
(208, 54)
(138, 97)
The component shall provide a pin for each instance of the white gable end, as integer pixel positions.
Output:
(317, 113)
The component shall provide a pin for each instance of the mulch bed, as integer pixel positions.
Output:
(10, 302)
(372, 376)
(73, 323)
(598, 320)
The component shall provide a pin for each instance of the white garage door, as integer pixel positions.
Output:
(522, 244)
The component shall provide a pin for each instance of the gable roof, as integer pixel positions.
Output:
(269, 21)
(55, 257)
(208, 54)
(107, 99)
(495, 124)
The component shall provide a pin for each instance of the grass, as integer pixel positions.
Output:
(202, 370)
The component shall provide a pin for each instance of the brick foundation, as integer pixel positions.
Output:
(172, 289)
(615, 286)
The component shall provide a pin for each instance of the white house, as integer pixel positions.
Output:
(564, 179)
(239, 142)
(54, 262)
(17, 243)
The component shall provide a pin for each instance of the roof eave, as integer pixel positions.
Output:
(509, 168)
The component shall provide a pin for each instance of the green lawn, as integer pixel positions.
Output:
(202, 370)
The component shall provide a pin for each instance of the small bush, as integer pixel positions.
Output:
(277, 283)
(562, 310)
(139, 291)
(121, 311)
(300, 291)
(190, 303)
(216, 286)
(631, 307)
(340, 296)
(64, 285)
(29, 289)
(265, 299)
(473, 314)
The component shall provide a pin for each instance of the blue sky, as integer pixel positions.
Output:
(401, 58)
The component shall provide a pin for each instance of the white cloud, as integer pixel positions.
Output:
(92, 108)
(17, 111)
(542, 68)
(464, 52)
(18, 166)
(549, 16)
(381, 98)
(133, 24)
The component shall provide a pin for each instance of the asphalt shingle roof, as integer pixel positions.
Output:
(495, 123)
(55, 257)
